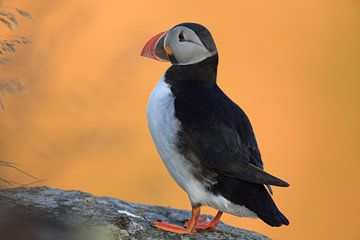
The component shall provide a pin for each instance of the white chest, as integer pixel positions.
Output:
(164, 128)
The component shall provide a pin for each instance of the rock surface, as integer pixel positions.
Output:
(44, 213)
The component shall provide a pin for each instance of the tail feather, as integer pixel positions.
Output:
(255, 197)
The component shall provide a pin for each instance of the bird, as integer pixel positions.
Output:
(205, 140)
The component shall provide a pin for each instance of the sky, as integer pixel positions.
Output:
(293, 66)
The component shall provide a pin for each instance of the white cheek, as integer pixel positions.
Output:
(189, 53)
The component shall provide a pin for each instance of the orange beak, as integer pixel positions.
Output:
(154, 48)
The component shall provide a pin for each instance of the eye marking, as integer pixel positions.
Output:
(182, 37)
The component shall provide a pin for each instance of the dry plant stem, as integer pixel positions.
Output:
(11, 183)
(12, 165)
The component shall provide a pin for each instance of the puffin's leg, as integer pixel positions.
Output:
(205, 223)
(190, 229)
(212, 224)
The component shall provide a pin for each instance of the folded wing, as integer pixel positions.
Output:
(219, 134)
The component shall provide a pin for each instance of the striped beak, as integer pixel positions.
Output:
(154, 48)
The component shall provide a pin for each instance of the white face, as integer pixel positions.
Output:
(185, 46)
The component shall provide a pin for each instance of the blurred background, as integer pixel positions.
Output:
(294, 66)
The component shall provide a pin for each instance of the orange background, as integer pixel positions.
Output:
(294, 67)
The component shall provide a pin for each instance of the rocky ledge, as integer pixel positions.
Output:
(43, 213)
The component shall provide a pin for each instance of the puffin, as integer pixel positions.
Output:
(205, 140)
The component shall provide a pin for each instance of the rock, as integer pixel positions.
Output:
(44, 213)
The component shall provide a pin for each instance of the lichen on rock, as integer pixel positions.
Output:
(52, 214)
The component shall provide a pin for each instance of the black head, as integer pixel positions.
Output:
(203, 34)
(184, 44)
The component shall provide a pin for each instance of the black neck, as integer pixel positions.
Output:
(201, 74)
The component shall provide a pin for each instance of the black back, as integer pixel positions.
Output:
(201, 106)
(218, 139)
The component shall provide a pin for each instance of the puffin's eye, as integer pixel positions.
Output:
(182, 37)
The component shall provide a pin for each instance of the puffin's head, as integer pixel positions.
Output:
(186, 43)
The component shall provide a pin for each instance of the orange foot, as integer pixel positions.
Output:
(190, 229)
(205, 223)
(199, 222)
(173, 228)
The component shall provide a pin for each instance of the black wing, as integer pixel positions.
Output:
(218, 133)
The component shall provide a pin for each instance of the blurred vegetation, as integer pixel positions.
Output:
(9, 19)
(10, 87)
(8, 44)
